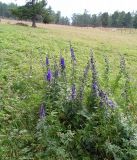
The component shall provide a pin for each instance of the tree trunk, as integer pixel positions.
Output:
(34, 21)
(34, 16)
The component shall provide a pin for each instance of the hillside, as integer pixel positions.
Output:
(22, 85)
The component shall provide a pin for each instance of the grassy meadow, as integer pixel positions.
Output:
(22, 85)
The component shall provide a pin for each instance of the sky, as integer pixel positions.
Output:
(68, 7)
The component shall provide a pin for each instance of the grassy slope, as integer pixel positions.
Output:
(16, 44)
(21, 91)
(19, 47)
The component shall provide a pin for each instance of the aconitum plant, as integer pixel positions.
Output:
(47, 61)
(97, 92)
(49, 75)
(62, 63)
(105, 99)
(72, 54)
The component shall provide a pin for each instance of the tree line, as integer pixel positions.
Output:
(5, 10)
(117, 19)
(37, 11)
(33, 9)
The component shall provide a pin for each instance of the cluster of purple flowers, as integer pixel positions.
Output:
(97, 91)
(104, 99)
(49, 75)
(62, 63)
(73, 60)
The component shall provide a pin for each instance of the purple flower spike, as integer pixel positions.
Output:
(105, 99)
(72, 54)
(42, 112)
(49, 75)
(47, 61)
(111, 104)
(62, 63)
(95, 88)
(73, 94)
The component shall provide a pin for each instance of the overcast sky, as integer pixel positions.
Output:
(68, 7)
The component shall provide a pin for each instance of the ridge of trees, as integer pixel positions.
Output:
(117, 19)
(5, 10)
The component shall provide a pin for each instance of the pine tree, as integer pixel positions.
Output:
(30, 10)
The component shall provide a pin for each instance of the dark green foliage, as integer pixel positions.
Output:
(104, 19)
(94, 20)
(121, 19)
(57, 17)
(117, 19)
(5, 10)
(108, 135)
(135, 21)
(128, 20)
(81, 19)
(64, 21)
(114, 17)
(48, 15)
(30, 10)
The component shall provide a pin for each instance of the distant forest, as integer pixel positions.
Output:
(5, 10)
(117, 19)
